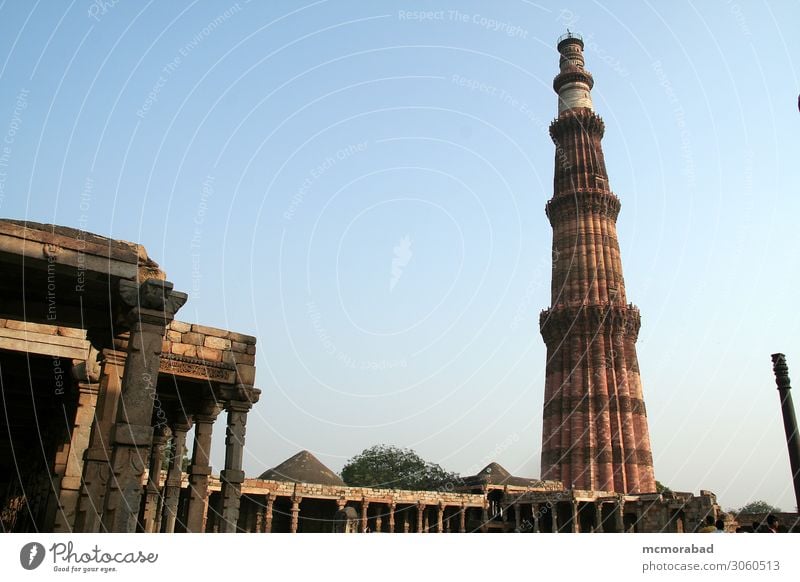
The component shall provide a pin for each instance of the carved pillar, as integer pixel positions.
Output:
(200, 468)
(535, 514)
(268, 514)
(232, 476)
(554, 515)
(517, 516)
(152, 306)
(440, 519)
(378, 521)
(153, 487)
(392, 508)
(96, 459)
(485, 516)
(576, 526)
(620, 515)
(420, 516)
(71, 481)
(295, 513)
(598, 517)
(172, 485)
(462, 519)
(364, 516)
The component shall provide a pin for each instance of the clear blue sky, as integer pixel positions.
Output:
(364, 190)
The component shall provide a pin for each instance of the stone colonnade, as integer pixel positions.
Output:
(135, 421)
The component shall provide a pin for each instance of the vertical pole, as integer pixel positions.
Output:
(789, 420)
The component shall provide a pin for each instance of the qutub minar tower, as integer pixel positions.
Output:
(595, 433)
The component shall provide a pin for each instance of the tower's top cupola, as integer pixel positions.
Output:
(573, 83)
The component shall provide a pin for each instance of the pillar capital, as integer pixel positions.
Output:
(207, 412)
(238, 406)
(153, 302)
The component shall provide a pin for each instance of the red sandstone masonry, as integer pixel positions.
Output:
(600, 440)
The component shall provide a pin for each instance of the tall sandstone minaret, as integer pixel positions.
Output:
(595, 433)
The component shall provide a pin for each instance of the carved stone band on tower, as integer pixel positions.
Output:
(595, 434)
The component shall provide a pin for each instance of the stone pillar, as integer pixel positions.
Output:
(420, 516)
(554, 515)
(152, 306)
(232, 476)
(440, 519)
(620, 515)
(268, 514)
(364, 515)
(535, 514)
(200, 468)
(153, 488)
(576, 526)
(462, 519)
(378, 522)
(517, 516)
(172, 485)
(71, 481)
(392, 508)
(96, 459)
(295, 513)
(598, 517)
(485, 516)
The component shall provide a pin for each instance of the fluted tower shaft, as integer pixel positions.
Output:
(595, 434)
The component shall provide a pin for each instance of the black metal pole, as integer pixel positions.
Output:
(789, 420)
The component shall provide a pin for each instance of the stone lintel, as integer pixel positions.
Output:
(45, 345)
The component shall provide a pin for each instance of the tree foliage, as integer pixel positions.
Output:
(661, 488)
(169, 453)
(390, 467)
(758, 506)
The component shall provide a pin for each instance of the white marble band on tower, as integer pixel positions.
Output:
(574, 83)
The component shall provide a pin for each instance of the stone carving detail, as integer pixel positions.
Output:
(51, 251)
(196, 368)
(153, 294)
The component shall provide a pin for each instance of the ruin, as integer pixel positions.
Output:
(97, 376)
(301, 495)
(100, 382)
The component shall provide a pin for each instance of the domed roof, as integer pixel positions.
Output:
(303, 468)
(496, 474)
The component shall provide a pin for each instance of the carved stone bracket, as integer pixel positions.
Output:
(152, 298)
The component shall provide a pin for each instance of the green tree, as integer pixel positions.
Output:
(758, 506)
(390, 467)
(661, 488)
(168, 454)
